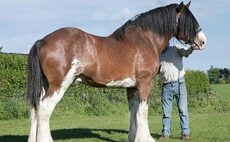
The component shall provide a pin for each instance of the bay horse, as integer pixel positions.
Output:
(128, 58)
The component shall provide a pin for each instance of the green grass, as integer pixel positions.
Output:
(72, 128)
(223, 90)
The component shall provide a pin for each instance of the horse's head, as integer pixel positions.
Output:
(188, 29)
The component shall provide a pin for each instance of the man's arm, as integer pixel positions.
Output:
(185, 52)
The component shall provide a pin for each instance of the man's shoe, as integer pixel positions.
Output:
(185, 137)
(164, 137)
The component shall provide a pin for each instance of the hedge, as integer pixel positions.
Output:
(85, 100)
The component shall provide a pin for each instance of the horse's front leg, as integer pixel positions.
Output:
(133, 100)
(143, 133)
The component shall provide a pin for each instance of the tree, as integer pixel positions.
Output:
(225, 75)
(1, 49)
(227, 80)
(218, 75)
(213, 75)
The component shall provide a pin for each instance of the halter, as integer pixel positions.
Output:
(187, 40)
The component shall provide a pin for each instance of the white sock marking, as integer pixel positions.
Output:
(143, 134)
(33, 128)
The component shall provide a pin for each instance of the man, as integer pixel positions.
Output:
(172, 74)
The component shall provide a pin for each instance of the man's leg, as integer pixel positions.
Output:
(181, 98)
(167, 98)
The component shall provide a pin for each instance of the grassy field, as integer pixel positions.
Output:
(204, 128)
(223, 90)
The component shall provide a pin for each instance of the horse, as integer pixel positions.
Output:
(128, 58)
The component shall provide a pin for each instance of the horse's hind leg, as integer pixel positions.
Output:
(48, 103)
(34, 123)
(44, 112)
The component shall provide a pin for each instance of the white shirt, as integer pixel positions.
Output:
(171, 63)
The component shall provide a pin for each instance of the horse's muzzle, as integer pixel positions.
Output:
(200, 41)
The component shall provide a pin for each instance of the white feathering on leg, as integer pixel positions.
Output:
(143, 134)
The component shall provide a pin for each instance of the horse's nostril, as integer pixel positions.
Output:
(202, 42)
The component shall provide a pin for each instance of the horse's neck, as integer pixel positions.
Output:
(134, 34)
(159, 42)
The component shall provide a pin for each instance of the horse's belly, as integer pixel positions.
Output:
(123, 83)
(126, 83)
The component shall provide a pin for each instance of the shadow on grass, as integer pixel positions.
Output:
(76, 133)
(13, 138)
(80, 133)
(62, 134)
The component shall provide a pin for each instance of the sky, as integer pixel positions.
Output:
(23, 22)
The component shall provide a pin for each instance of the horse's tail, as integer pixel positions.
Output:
(36, 80)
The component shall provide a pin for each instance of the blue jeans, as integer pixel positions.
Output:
(178, 90)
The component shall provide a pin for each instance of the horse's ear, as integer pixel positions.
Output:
(180, 7)
(187, 5)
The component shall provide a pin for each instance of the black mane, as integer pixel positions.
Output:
(162, 21)
(188, 24)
